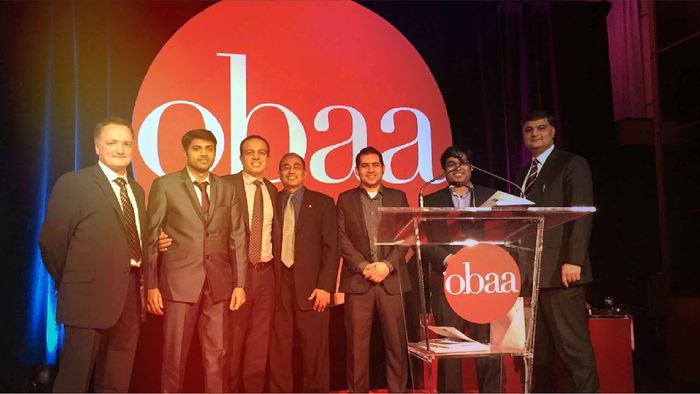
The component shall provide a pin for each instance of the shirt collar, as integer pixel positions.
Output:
(544, 155)
(379, 192)
(194, 179)
(110, 174)
(249, 179)
(470, 187)
(299, 194)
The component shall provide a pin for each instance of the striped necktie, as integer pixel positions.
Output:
(129, 220)
(532, 175)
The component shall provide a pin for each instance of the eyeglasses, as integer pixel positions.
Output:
(296, 167)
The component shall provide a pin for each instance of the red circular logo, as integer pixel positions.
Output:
(323, 79)
(482, 283)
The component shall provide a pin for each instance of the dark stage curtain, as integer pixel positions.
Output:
(66, 65)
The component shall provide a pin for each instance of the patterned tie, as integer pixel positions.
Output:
(288, 233)
(129, 220)
(532, 175)
(255, 241)
(205, 197)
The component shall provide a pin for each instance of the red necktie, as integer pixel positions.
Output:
(205, 197)
(255, 241)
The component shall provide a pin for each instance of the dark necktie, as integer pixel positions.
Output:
(205, 197)
(129, 220)
(255, 241)
(532, 175)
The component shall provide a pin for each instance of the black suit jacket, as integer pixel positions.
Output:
(434, 255)
(315, 246)
(208, 247)
(85, 248)
(237, 181)
(564, 181)
(355, 247)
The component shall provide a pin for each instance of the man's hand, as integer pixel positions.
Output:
(154, 304)
(164, 242)
(570, 273)
(376, 272)
(237, 299)
(323, 298)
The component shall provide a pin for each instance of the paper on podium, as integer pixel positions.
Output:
(501, 199)
(509, 331)
(453, 341)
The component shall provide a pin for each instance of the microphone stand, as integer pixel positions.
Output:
(426, 310)
(496, 176)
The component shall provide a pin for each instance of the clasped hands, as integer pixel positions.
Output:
(376, 272)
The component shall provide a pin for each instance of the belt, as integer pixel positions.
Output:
(260, 266)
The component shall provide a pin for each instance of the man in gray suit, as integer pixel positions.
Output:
(91, 244)
(202, 273)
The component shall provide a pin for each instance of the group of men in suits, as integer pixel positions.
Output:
(252, 269)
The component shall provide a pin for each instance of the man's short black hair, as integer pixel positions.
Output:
(254, 137)
(292, 154)
(454, 151)
(536, 115)
(202, 134)
(370, 150)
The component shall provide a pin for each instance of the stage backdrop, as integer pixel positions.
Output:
(66, 65)
(323, 79)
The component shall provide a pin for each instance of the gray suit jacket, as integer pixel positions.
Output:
(85, 248)
(211, 248)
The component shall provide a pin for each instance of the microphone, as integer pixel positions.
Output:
(496, 176)
(420, 192)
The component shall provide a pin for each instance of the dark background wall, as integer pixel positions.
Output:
(66, 65)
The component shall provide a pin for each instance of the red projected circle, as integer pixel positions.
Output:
(482, 283)
(321, 78)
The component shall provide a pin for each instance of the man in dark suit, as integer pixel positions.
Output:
(460, 193)
(306, 277)
(91, 244)
(201, 275)
(373, 276)
(556, 178)
(252, 324)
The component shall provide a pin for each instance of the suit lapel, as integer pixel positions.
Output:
(545, 175)
(357, 207)
(213, 194)
(141, 206)
(186, 184)
(106, 188)
(446, 198)
(306, 208)
(239, 185)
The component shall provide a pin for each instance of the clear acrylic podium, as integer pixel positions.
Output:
(519, 230)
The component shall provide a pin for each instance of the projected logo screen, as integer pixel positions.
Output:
(322, 79)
